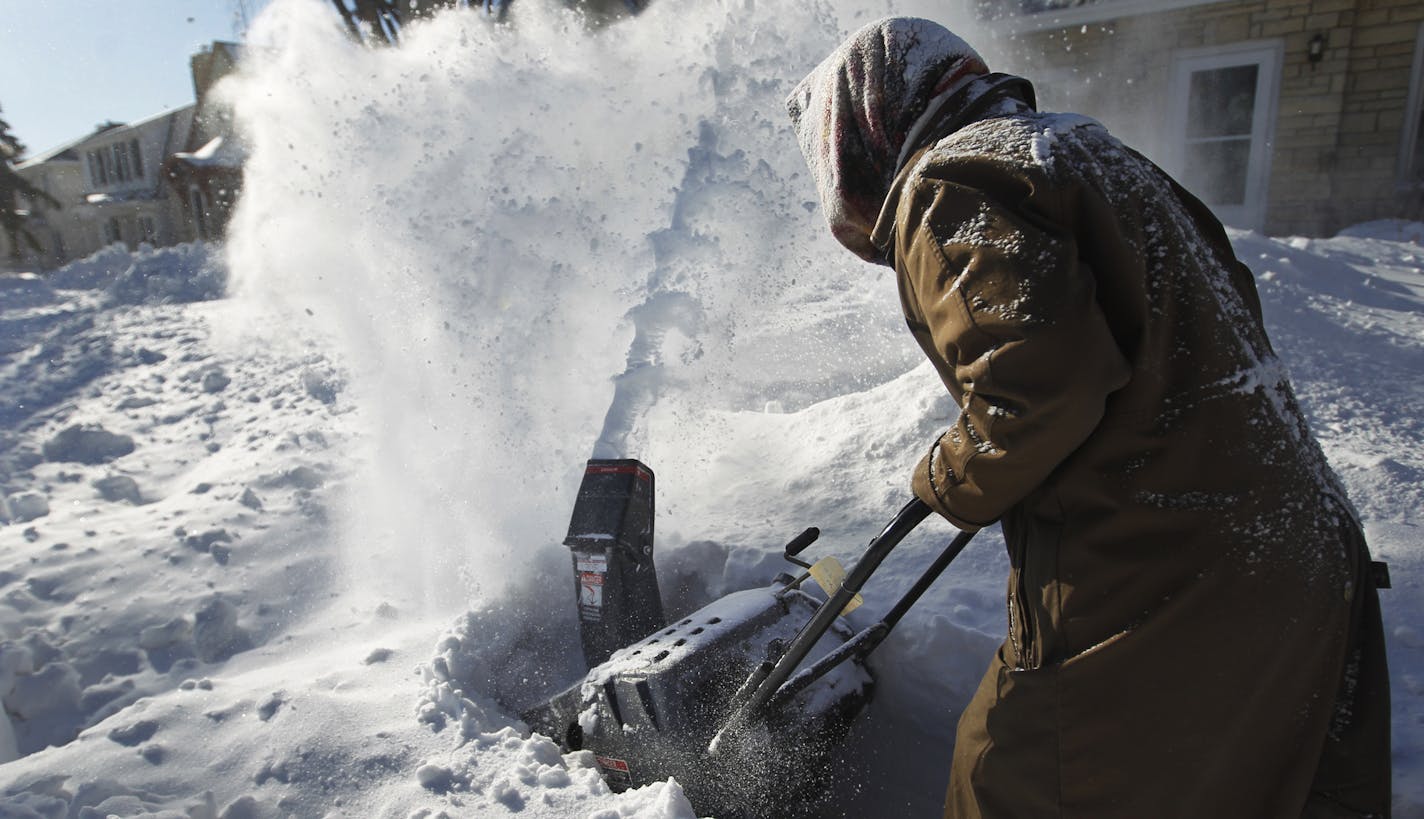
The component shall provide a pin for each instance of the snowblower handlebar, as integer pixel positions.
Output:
(895, 531)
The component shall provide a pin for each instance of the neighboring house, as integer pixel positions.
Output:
(170, 178)
(1286, 116)
(109, 188)
(206, 175)
(58, 173)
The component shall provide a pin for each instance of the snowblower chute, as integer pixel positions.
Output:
(743, 701)
(611, 536)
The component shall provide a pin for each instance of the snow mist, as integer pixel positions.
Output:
(526, 234)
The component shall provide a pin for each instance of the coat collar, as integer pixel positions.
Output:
(958, 109)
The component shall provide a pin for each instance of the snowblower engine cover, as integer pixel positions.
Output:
(650, 711)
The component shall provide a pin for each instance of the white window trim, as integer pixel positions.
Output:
(1096, 12)
(1269, 55)
(1413, 109)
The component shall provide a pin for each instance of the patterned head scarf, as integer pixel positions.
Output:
(855, 112)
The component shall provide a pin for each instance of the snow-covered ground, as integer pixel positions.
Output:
(295, 552)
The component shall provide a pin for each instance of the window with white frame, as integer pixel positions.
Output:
(1411, 146)
(100, 169)
(116, 163)
(1221, 123)
(121, 160)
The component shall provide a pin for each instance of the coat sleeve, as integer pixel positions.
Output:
(1004, 307)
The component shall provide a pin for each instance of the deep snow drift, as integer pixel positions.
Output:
(295, 552)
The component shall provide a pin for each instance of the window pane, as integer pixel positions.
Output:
(1216, 171)
(1221, 102)
(137, 158)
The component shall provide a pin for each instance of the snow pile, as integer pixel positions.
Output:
(171, 274)
(96, 271)
(237, 526)
(24, 290)
(1394, 230)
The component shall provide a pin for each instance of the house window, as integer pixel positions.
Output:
(199, 204)
(120, 170)
(1220, 105)
(100, 169)
(112, 233)
(137, 157)
(1223, 112)
(148, 229)
(1411, 153)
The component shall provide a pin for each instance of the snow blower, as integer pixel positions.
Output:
(744, 700)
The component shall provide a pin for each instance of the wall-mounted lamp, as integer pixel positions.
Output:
(1315, 50)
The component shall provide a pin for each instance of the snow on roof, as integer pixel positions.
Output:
(217, 153)
(172, 112)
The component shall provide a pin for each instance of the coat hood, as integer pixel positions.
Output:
(854, 114)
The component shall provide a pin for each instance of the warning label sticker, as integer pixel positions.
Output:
(615, 771)
(591, 592)
(591, 563)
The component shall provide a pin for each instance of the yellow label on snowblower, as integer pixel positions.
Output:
(830, 576)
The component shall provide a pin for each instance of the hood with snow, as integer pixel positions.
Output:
(888, 89)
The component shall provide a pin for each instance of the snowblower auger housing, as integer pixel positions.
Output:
(742, 702)
(651, 710)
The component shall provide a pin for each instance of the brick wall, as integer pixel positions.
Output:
(1335, 150)
(1367, 156)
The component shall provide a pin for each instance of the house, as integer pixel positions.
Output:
(206, 175)
(1286, 116)
(173, 177)
(109, 188)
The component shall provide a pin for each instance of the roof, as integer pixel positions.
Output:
(64, 153)
(69, 151)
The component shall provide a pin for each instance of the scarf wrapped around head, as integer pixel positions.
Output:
(854, 113)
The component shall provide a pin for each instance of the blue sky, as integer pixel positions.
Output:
(68, 65)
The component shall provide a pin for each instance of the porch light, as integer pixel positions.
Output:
(1315, 51)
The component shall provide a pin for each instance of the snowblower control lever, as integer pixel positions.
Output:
(798, 545)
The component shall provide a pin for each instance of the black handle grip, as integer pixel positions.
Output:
(799, 543)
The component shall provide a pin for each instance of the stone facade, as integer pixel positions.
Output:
(1344, 88)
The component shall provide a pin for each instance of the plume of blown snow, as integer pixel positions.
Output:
(479, 217)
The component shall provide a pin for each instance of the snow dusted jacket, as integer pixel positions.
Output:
(1192, 627)
(1193, 631)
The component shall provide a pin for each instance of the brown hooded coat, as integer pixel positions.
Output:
(1193, 628)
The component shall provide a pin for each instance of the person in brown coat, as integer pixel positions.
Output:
(1193, 629)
